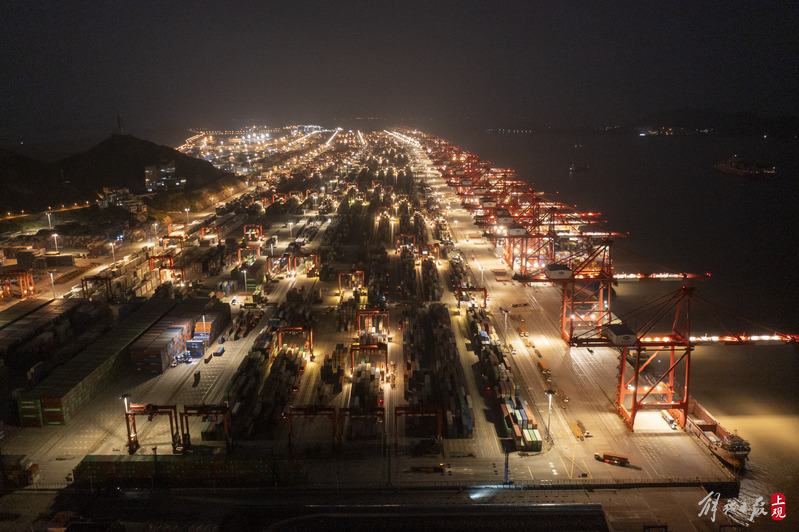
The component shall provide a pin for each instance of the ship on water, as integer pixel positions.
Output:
(727, 446)
(739, 166)
(578, 168)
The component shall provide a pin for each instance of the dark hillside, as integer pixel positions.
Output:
(31, 185)
(119, 161)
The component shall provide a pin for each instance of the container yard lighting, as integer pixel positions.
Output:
(52, 282)
(126, 400)
(55, 239)
(49, 220)
(291, 234)
(187, 220)
(550, 392)
(113, 253)
(245, 279)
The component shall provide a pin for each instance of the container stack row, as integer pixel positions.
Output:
(194, 470)
(431, 284)
(433, 370)
(283, 378)
(242, 393)
(165, 341)
(71, 386)
(517, 416)
(346, 315)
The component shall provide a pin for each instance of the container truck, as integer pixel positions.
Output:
(612, 458)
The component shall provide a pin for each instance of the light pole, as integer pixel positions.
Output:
(155, 231)
(187, 220)
(482, 275)
(55, 239)
(245, 279)
(52, 282)
(291, 233)
(505, 312)
(113, 253)
(550, 392)
(49, 220)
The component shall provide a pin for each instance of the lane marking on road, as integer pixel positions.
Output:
(571, 459)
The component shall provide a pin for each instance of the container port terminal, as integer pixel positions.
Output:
(381, 313)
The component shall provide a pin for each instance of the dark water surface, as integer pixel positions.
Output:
(682, 215)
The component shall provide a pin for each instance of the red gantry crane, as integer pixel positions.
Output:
(205, 412)
(151, 410)
(295, 330)
(669, 391)
(352, 279)
(312, 412)
(24, 282)
(416, 411)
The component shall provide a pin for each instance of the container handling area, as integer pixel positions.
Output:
(382, 314)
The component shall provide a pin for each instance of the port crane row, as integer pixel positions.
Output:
(553, 244)
(338, 417)
(181, 436)
(178, 422)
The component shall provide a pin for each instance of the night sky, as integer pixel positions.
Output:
(68, 68)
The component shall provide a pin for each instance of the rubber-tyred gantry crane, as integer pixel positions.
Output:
(151, 410)
(86, 282)
(416, 411)
(154, 258)
(381, 349)
(293, 259)
(253, 229)
(176, 269)
(165, 240)
(295, 330)
(429, 248)
(257, 250)
(378, 414)
(405, 240)
(216, 228)
(272, 258)
(371, 318)
(205, 411)
(311, 411)
(472, 290)
(25, 284)
(171, 232)
(352, 274)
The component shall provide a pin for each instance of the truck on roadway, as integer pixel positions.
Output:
(612, 459)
